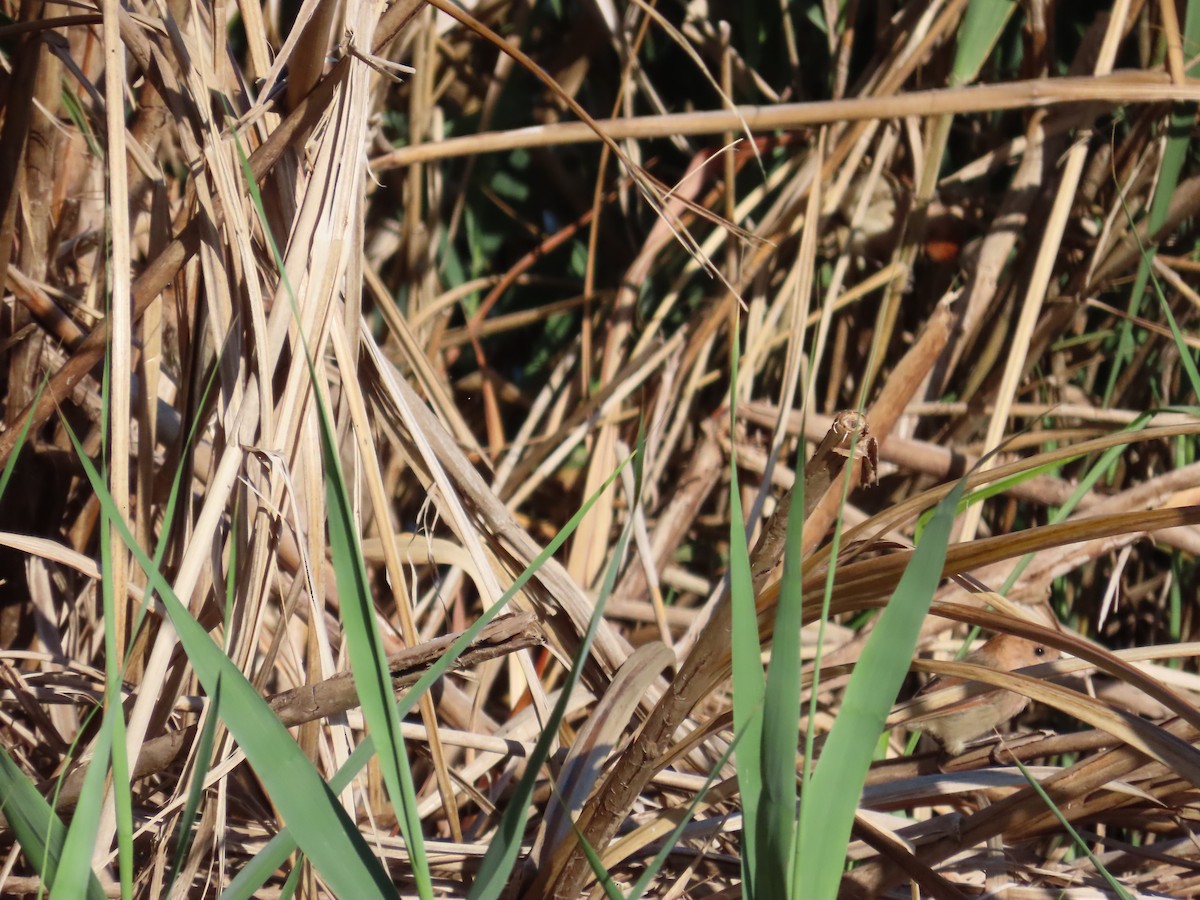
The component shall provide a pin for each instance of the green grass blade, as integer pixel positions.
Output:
(501, 856)
(368, 659)
(810, 812)
(1080, 844)
(75, 868)
(36, 826)
(114, 716)
(1185, 352)
(611, 890)
(123, 797)
(1178, 145)
(12, 457)
(781, 717)
(322, 827)
(268, 860)
(837, 782)
(208, 734)
(1107, 460)
(80, 844)
(981, 27)
(643, 883)
(749, 683)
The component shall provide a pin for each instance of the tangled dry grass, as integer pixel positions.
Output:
(972, 222)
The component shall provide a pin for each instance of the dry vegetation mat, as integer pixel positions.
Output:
(582, 449)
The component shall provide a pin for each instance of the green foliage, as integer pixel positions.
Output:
(1178, 146)
(749, 684)
(501, 856)
(830, 799)
(37, 828)
(324, 830)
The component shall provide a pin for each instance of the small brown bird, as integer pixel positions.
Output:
(955, 725)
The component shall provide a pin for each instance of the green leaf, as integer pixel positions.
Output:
(208, 734)
(781, 716)
(643, 883)
(981, 28)
(36, 826)
(75, 869)
(501, 855)
(1179, 138)
(368, 659)
(321, 826)
(265, 863)
(837, 782)
(749, 684)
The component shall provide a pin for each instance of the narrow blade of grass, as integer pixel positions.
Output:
(981, 26)
(1081, 845)
(76, 868)
(322, 827)
(264, 864)
(837, 782)
(6, 476)
(368, 659)
(36, 826)
(204, 747)
(781, 718)
(749, 684)
(643, 883)
(1178, 145)
(501, 855)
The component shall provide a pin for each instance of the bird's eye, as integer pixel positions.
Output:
(1039, 651)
